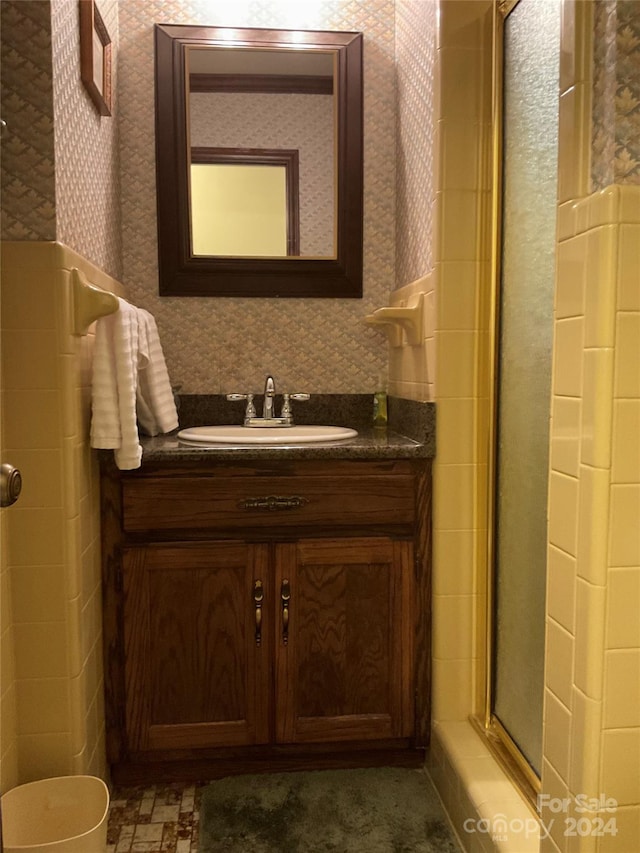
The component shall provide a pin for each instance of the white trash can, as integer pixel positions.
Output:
(65, 814)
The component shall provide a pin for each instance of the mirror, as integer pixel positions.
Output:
(258, 162)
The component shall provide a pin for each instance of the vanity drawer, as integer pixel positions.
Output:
(230, 503)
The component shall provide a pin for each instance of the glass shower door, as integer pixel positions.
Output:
(530, 143)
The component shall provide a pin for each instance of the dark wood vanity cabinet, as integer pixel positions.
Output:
(265, 615)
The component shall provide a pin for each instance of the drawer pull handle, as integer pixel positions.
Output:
(258, 598)
(273, 503)
(285, 596)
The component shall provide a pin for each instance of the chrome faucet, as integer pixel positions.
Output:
(269, 418)
(269, 395)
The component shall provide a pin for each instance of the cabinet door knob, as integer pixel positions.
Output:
(258, 598)
(285, 597)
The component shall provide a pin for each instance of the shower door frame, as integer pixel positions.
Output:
(498, 739)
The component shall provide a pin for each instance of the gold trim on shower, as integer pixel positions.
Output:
(495, 735)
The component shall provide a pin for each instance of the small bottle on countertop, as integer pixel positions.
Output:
(380, 402)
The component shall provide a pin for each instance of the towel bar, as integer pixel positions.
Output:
(89, 302)
(398, 319)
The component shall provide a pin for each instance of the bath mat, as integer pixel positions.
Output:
(377, 810)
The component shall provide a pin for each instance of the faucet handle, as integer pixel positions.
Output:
(250, 411)
(286, 404)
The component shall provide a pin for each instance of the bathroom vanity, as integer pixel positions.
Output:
(266, 608)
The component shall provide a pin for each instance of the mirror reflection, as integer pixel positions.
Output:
(262, 136)
(259, 169)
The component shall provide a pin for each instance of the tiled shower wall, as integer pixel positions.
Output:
(592, 736)
(592, 698)
(592, 731)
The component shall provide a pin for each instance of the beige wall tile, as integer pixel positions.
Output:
(461, 154)
(457, 295)
(38, 593)
(456, 421)
(567, 224)
(627, 367)
(571, 272)
(623, 595)
(557, 734)
(555, 787)
(629, 203)
(586, 725)
(41, 650)
(43, 705)
(44, 755)
(454, 507)
(627, 826)
(589, 638)
(563, 512)
(456, 359)
(561, 571)
(568, 348)
(593, 524)
(27, 361)
(625, 450)
(452, 627)
(597, 411)
(568, 54)
(628, 296)
(600, 295)
(458, 225)
(622, 688)
(36, 536)
(462, 24)
(453, 555)
(566, 416)
(620, 774)
(559, 661)
(624, 532)
(604, 206)
(462, 81)
(25, 303)
(32, 419)
(9, 767)
(572, 150)
(452, 690)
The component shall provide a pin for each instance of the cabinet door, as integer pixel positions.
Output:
(196, 668)
(344, 638)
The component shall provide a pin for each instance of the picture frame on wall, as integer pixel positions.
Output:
(95, 56)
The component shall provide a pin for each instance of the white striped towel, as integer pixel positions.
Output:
(156, 403)
(126, 350)
(114, 383)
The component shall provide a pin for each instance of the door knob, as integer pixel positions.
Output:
(10, 484)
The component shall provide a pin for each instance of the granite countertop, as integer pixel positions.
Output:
(410, 433)
(368, 444)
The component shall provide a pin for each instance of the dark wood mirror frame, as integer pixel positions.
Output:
(182, 274)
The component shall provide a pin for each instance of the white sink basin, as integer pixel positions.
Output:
(264, 435)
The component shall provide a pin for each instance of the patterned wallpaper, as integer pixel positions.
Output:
(28, 174)
(86, 145)
(616, 94)
(215, 345)
(60, 174)
(416, 129)
(302, 122)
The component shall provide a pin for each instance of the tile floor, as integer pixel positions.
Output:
(154, 819)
